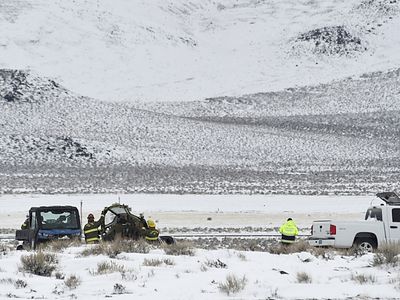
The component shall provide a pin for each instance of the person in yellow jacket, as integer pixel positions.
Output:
(91, 230)
(151, 232)
(289, 231)
(25, 225)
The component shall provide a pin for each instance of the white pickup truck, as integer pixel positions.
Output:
(381, 224)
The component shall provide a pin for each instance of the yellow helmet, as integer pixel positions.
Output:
(151, 223)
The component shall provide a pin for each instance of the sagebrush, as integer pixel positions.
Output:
(107, 267)
(232, 284)
(179, 248)
(72, 282)
(303, 277)
(39, 263)
(387, 253)
(112, 249)
(363, 279)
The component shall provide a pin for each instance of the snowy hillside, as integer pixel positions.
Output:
(188, 50)
(53, 140)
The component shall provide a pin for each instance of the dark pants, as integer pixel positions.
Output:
(288, 239)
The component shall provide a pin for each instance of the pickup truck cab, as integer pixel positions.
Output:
(381, 224)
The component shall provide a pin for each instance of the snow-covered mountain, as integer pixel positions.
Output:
(325, 118)
(180, 50)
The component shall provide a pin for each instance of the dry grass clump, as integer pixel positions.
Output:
(119, 289)
(152, 262)
(233, 284)
(72, 282)
(215, 264)
(107, 267)
(155, 262)
(363, 279)
(59, 275)
(129, 275)
(112, 249)
(58, 245)
(18, 284)
(39, 263)
(179, 248)
(296, 247)
(387, 253)
(303, 277)
(168, 262)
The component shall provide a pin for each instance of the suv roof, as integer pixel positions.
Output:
(57, 207)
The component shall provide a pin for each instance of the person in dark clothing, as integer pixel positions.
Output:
(91, 229)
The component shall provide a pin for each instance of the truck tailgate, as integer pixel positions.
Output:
(321, 229)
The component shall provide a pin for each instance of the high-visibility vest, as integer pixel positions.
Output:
(91, 231)
(152, 234)
(289, 231)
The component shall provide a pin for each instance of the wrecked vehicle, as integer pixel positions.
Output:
(120, 223)
(47, 223)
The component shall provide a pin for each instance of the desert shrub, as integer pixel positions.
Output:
(59, 275)
(119, 289)
(39, 263)
(152, 262)
(363, 279)
(233, 284)
(18, 284)
(98, 249)
(352, 251)
(215, 264)
(298, 246)
(72, 282)
(179, 248)
(107, 267)
(128, 275)
(58, 289)
(168, 262)
(130, 246)
(117, 247)
(387, 253)
(303, 277)
(58, 245)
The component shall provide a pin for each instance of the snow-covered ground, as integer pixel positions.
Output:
(188, 50)
(193, 210)
(266, 275)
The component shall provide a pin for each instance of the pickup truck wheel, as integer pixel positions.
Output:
(365, 244)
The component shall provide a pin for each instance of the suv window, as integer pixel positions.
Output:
(396, 214)
(59, 219)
